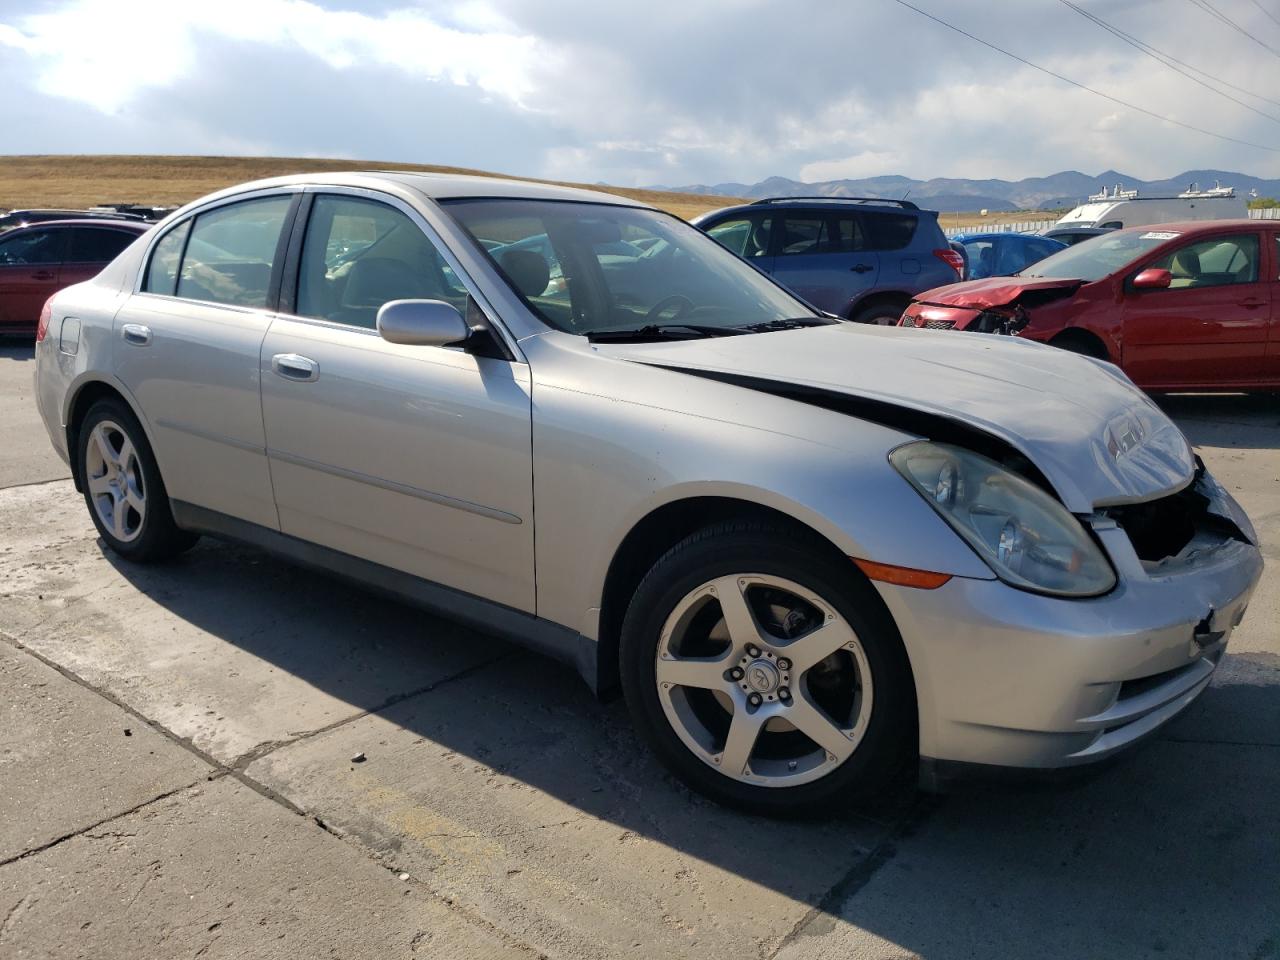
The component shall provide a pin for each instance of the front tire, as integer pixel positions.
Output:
(765, 672)
(882, 314)
(122, 486)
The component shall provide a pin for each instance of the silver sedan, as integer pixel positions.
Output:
(808, 552)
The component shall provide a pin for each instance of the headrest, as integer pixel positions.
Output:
(375, 280)
(1186, 263)
(528, 271)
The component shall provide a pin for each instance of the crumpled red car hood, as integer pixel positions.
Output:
(992, 291)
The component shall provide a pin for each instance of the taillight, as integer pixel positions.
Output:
(46, 314)
(952, 259)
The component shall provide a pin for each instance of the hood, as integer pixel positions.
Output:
(1094, 436)
(994, 291)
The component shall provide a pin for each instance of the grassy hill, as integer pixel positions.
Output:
(78, 181)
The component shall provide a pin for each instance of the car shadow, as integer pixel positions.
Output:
(1136, 840)
(18, 349)
(1249, 421)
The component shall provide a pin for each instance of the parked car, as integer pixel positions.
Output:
(23, 218)
(1002, 254)
(861, 259)
(1177, 306)
(37, 261)
(1073, 235)
(808, 550)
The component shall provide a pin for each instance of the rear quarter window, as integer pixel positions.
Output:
(889, 231)
(97, 244)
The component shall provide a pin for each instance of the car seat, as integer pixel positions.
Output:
(1185, 268)
(373, 281)
(527, 270)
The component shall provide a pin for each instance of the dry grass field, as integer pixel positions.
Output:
(78, 181)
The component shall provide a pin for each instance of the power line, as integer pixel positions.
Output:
(1088, 89)
(1209, 8)
(1269, 14)
(1195, 69)
(1154, 54)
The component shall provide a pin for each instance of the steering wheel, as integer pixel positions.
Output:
(681, 303)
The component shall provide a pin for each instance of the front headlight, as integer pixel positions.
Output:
(1027, 538)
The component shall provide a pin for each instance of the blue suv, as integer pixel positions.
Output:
(861, 258)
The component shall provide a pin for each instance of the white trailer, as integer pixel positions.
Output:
(1124, 208)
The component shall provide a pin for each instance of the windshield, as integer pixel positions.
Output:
(1100, 256)
(589, 268)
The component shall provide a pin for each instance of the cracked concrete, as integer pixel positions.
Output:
(231, 821)
(219, 871)
(49, 725)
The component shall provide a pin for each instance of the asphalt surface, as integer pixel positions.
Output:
(229, 757)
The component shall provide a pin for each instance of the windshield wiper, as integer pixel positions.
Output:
(662, 331)
(790, 323)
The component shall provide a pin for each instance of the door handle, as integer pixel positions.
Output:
(43, 275)
(136, 333)
(1252, 302)
(861, 268)
(291, 366)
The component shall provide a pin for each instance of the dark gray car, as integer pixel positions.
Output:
(858, 258)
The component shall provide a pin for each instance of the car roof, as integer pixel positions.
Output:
(1196, 226)
(437, 186)
(136, 226)
(993, 234)
(877, 205)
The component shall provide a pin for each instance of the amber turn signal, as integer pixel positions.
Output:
(902, 576)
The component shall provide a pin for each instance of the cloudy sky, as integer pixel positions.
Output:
(645, 92)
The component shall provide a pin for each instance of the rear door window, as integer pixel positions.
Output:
(231, 252)
(35, 247)
(162, 272)
(805, 233)
(96, 245)
(848, 235)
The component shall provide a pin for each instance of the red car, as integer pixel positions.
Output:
(39, 260)
(1176, 306)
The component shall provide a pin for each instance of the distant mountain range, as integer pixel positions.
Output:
(954, 195)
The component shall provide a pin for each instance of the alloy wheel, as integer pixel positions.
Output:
(113, 474)
(763, 680)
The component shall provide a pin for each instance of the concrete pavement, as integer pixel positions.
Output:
(234, 821)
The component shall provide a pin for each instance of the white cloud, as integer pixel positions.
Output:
(868, 163)
(666, 91)
(107, 52)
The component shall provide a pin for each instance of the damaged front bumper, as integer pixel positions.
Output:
(1008, 678)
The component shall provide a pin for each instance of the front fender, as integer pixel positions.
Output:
(602, 463)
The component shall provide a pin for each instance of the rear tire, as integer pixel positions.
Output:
(799, 729)
(122, 486)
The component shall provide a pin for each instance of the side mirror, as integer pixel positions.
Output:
(1153, 279)
(421, 323)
